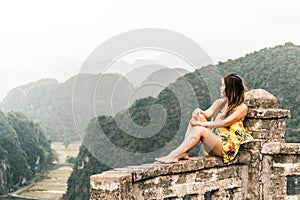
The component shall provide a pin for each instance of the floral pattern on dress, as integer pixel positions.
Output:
(232, 137)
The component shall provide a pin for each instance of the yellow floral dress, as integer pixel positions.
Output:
(232, 137)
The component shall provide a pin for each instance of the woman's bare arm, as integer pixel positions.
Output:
(239, 113)
(212, 109)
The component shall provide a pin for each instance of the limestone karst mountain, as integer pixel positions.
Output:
(64, 109)
(52, 104)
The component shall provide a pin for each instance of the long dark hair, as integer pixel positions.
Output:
(234, 91)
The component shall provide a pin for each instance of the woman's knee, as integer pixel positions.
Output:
(198, 115)
(202, 131)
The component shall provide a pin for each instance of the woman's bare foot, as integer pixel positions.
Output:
(172, 159)
(167, 159)
(184, 156)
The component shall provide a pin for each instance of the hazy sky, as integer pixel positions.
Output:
(51, 39)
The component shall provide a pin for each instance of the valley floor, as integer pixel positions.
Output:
(54, 185)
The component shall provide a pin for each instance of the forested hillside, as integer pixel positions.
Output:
(24, 151)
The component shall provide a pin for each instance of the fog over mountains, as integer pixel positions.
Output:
(64, 109)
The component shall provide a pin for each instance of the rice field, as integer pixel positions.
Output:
(55, 184)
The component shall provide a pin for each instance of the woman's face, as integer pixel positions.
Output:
(222, 89)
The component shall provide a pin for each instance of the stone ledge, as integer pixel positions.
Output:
(147, 171)
(281, 148)
(268, 113)
(265, 124)
(272, 135)
(109, 180)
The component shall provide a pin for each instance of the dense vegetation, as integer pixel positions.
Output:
(24, 151)
(276, 70)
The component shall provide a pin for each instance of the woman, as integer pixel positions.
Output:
(222, 136)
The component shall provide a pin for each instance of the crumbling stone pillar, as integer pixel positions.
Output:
(267, 123)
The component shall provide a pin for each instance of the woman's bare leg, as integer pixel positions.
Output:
(188, 130)
(199, 118)
(197, 133)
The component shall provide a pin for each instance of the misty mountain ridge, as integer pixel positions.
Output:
(54, 105)
(157, 81)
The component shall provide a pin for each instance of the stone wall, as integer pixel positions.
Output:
(258, 172)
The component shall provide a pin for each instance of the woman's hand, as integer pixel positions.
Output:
(196, 113)
(194, 122)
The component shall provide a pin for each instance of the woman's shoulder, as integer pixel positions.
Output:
(241, 108)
